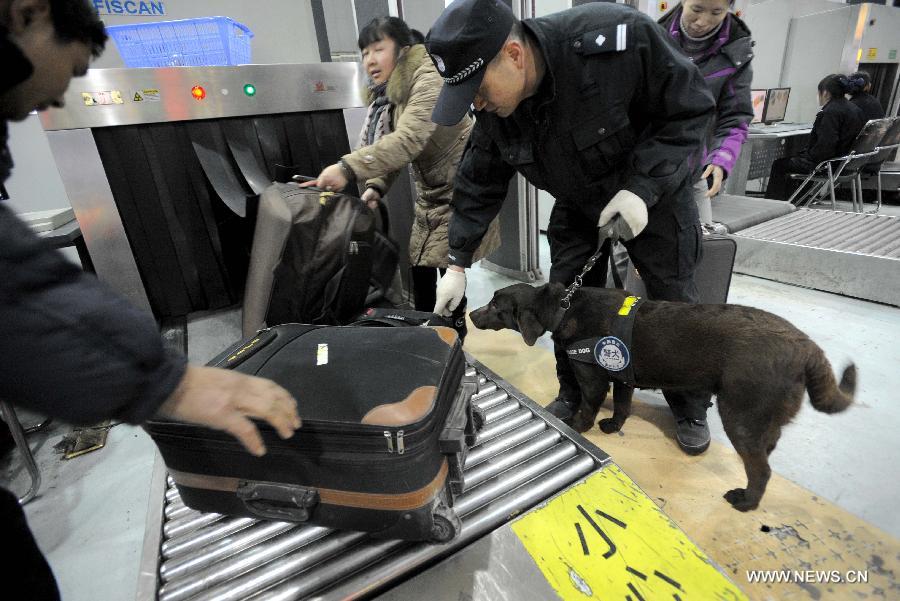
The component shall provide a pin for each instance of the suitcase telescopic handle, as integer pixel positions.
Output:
(274, 501)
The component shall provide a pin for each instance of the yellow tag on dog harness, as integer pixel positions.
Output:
(627, 304)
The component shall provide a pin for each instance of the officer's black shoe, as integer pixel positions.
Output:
(563, 407)
(692, 435)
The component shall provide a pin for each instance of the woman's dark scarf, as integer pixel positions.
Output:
(378, 119)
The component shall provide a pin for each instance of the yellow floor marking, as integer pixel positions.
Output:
(605, 539)
(793, 529)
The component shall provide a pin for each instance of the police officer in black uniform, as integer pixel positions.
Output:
(597, 107)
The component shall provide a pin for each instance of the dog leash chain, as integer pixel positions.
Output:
(566, 301)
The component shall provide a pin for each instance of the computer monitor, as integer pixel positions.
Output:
(758, 98)
(776, 105)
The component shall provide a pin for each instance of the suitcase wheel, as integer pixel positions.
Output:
(446, 526)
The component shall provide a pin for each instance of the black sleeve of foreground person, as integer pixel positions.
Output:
(72, 348)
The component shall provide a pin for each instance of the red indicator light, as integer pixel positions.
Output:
(198, 92)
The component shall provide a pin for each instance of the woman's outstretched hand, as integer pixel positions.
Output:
(331, 179)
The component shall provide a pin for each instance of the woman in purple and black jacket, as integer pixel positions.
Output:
(719, 44)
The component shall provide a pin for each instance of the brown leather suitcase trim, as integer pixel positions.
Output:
(413, 408)
(446, 334)
(394, 502)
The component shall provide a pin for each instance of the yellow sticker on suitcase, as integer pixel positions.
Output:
(605, 539)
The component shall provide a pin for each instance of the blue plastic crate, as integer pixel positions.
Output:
(196, 42)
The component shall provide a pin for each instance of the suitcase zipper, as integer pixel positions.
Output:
(401, 446)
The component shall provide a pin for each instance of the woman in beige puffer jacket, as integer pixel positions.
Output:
(398, 132)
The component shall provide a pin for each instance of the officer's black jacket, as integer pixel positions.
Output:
(834, 130)
(619, 107)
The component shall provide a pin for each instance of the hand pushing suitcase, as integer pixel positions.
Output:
(384, 418)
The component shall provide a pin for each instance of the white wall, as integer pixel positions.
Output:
(421, 14)
(769, 23)
(814, 50)
(283, 29)
(340, 21)
(35, 184)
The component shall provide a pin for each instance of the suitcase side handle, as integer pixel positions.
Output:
(282, 502)
(284, 175)
(453, 437)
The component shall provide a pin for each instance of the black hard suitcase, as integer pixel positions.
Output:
(713, 273)
(383, 440)
(316, 258)
(389, 317)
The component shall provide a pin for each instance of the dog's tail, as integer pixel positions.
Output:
(825, 394)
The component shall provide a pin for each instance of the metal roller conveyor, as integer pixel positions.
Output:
(175, 508)
(856, 254)
(518, 459)
(504, 425)
(476, 525)
(489, 399)
(247, 561)
(171, 493)
(498, 411)
(174, 569)
(176, 512)
(506, 460)
(523, 464)
(484, 389)
(190, 522)
(487, 450)
(176, 547)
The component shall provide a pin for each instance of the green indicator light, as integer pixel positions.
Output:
(250, 89)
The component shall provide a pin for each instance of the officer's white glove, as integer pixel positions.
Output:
(450, 290)
(632, 209)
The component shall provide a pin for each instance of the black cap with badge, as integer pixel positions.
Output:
(464, 39)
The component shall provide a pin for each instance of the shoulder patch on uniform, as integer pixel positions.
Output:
(613, 38)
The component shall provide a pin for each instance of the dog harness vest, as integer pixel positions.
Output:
(613, 351)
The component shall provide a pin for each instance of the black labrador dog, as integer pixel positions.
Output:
(757, 364)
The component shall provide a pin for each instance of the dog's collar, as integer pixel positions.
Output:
(557, 319)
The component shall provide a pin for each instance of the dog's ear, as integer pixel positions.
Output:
(529, 326)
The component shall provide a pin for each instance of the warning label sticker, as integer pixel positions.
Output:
(102, 98)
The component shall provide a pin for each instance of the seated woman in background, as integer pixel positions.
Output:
(836, 126)
(399, 131)
(860, 86)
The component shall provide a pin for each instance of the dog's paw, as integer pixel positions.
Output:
(738, 499)
(579, 423)
(608, 425)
